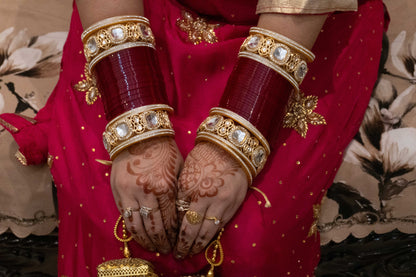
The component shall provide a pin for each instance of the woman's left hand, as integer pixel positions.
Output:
(215, 186)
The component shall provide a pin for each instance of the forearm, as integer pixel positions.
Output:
(92, 11)
(304, 29)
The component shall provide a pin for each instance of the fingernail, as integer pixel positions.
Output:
(178, 257)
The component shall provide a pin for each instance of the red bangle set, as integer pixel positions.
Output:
(129, 79)
(258, 94)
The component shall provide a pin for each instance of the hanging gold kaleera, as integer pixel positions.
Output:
(213, 260)
(89, 86)
(127, 266)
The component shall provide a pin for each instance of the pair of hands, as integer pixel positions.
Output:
(152, 174)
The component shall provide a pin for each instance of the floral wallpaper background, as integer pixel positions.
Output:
(32, 35)
(375, 187)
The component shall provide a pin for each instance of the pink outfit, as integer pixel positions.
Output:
(258, 241)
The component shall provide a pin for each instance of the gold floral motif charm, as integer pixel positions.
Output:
(314, 227)
(88, 85)
(301, 113)
(198, 29)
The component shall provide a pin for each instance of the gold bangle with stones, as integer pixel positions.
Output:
(114, 34)
(278, 52)
(137, 125)
(238, 137)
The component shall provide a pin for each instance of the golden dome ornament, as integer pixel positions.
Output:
(128, 266)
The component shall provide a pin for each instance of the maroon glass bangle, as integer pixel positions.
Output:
(128, 79)
(258, 94)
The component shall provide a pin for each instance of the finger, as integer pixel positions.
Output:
(189, 230)
(169, 216)
(211, 225)
(153, 224)
(135, 226)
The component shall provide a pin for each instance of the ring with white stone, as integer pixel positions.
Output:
(137, 125)
(238, 137)
(146, 211)
(216, 220)
(128, 212)
(283, 55)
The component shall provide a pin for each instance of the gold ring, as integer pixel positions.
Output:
(217, 221)
(193, 217)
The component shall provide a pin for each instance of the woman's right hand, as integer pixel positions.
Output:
(144, 176)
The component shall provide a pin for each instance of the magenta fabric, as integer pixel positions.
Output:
(258, 241)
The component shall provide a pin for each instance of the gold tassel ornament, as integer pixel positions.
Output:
(127, 266)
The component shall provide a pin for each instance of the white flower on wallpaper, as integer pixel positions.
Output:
(30, 56)
(403, 53)
(1, 102)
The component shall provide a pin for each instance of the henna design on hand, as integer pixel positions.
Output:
(155, 167)
(204, 171)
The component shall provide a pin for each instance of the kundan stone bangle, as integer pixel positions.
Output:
(278, 52)
(137, 125)
(114, 34)
(238, 137)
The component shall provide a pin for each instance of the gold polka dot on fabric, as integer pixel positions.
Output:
(259, 202)
(232, 261)
(222, 67)
(189, 132)
(69, 213)
(103, 258)
(92, 187)
(76, 245)
(89, 235)
(284, 144)
(189, 56)
(303, 241)
(288, 273)
(106, 174)
(274, 222)
(298, 162)
(311, 193)
(254, 244)
(297, 216)
(280, 182)
(157, 254)
(87, 267)
(93, 150)
(99, 116)
(313, 78)
(105, 220)
(62, 256)
(82, 164)
(236, 226)
(81, 205)
(56, 158)
(82, 128)
(293, 197)
(283, 235)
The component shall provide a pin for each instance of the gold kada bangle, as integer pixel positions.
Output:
(114, 34)
(285, 56)
(238, 137)
(137, 125)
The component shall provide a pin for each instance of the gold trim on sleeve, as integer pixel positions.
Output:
(8, 126)
(20, 157)
(305, 6)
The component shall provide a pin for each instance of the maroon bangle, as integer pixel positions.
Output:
(128, 79)
(258, 94)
